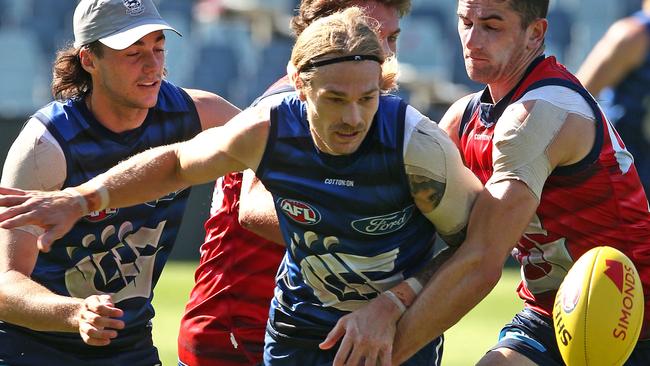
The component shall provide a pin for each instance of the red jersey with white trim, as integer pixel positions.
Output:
(597, 201)
(225, 318)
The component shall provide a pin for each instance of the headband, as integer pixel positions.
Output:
(314, 64)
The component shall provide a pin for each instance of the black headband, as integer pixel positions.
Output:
(313, 64)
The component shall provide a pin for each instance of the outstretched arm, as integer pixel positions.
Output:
(144, 177)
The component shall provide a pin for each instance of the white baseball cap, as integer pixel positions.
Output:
(116, 23)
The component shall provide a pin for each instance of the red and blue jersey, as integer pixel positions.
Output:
(596, 201)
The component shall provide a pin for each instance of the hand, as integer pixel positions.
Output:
(367, 333)
(97, 325)
(55, 212)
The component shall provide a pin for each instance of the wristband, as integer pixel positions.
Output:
(400, 305)
(83, 204)
(414, 284)
(102, 191)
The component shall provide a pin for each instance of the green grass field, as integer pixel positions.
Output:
(465, 343)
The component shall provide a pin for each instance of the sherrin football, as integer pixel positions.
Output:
(598, 309)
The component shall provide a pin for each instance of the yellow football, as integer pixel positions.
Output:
(598, 309)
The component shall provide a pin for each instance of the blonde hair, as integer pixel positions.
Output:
(345, 33)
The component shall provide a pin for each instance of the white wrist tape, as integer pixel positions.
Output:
(102, 191)
(400, 305)
(83, 204)
(414, 284)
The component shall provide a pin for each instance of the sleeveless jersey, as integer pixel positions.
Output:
(597, 201)
(225, 318)
(116, 251)
(351, 226)
(630, 110)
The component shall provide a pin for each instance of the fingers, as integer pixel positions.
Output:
(385, 356)
(333, 336)
(97, 320)
(11, 191)
(344, 352)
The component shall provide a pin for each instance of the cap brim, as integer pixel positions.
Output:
(126, 38)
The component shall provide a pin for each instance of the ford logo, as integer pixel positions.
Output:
(384, 224)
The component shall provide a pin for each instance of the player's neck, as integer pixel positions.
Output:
(115, 117)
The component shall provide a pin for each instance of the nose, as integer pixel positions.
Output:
(472, 38)
(352, 115)
(153, 61)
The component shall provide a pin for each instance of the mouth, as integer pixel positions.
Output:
(347, 136)
(149, 84)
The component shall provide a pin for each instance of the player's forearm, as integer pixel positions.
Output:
(461, 284)
(257, 211)
(25, 303)
(471, 273)
(143, 177)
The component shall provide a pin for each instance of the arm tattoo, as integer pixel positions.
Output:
(426, 192)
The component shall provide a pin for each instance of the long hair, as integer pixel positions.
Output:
(69, 79)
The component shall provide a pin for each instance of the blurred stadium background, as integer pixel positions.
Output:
(237, 48)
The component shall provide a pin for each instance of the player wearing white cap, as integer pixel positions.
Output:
(88, 299)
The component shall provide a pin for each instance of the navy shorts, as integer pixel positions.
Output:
(281, 354)
(532, 335)
(20, 349)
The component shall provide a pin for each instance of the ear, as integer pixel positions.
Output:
(537, 32)
(296, 81)
(87, 59)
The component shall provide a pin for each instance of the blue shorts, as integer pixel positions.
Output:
(20, 349)
(282, 354)
(532, 335)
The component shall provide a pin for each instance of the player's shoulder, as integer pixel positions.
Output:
(213, 110)
(451, 120)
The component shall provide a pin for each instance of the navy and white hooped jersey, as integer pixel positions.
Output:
(116, 251)
(350, 223)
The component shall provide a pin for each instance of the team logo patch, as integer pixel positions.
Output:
(97, 216)
(133, 7)
(299, 211)
(384, 224)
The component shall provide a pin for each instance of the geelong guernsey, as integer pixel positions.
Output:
(351, 226)
(116, 251)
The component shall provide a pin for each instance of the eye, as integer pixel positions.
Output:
(393, 38)
(336, 100)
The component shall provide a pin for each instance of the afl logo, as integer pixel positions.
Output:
(97, 216)
(300, 212)
(384, 224)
